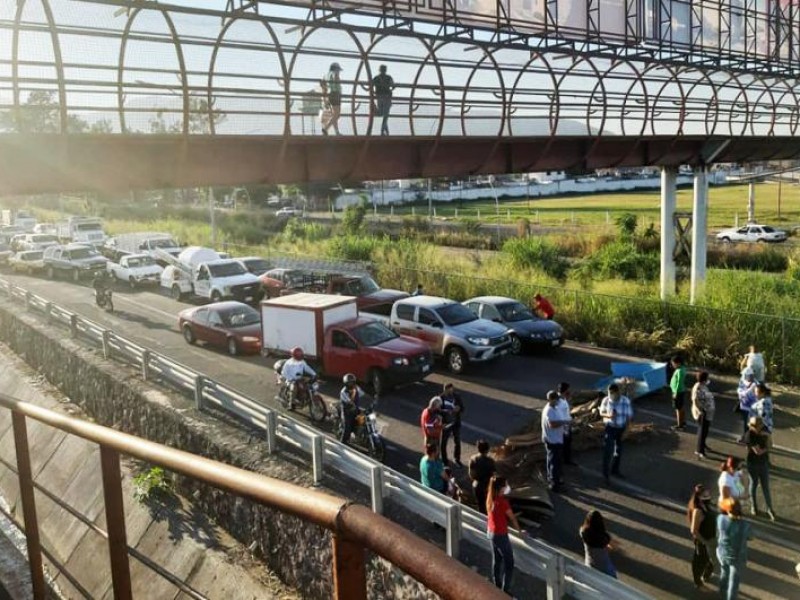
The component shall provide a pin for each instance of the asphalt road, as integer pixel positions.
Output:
(645, 511)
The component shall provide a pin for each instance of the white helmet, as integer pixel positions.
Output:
(349, 379)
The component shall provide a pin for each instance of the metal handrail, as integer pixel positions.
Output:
(354, 527)
(560, 573)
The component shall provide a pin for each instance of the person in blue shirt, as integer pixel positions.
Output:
(616, 411)
(733, 533)
(431, 470)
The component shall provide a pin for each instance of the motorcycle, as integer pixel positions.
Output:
(366, 433)
(305, 392)
(103, 299)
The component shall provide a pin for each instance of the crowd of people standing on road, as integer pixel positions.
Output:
(717, 536)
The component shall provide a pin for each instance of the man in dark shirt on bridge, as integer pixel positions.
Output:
(382, 87)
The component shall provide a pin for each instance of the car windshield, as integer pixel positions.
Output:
(141, 261)
(363, 286)
(32, 255)
(456, 314)
(515, 311)
(241, 316)
(228, 269)
(373, 334)
(258, 266)
(80, 253)
(44, 238)
(163, 243)
(89, 227)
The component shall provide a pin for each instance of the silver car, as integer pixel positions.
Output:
(451, 330)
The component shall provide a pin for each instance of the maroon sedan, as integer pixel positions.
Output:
(232, 325)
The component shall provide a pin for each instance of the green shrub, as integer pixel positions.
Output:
(626, 225)
(471, 226)
(353, 247)
(353, 219)
(297, 229)
(152, 484)
(751, 258)
(622, 260)
(538, 254)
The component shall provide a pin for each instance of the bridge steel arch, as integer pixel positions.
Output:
(596, 111)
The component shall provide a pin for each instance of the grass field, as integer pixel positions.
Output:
(600, 209)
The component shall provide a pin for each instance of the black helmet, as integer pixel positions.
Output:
(349, 379)
(335, 67)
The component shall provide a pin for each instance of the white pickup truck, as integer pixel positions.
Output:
(201, 272)
(136, 269)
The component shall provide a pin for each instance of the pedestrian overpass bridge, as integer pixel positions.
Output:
(119, 94)
(113, 94)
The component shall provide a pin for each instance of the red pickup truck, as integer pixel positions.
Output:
(336, 340)
(370, 297)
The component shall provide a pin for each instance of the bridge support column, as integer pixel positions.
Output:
(699, 234)
(669, 190)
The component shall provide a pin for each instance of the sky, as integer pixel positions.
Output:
(248, 77)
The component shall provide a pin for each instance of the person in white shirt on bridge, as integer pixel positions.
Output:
(616, 411)
(553, 423)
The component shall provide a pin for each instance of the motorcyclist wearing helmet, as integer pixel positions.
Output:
(294, 369)
(349, 404)
(101, 282)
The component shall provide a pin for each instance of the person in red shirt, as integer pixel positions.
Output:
(542, 307)
(499, 514)
(431, 422)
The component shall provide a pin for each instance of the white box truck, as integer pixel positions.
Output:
(18, 218)
(199, 271)
(83, 230)
(140, 243)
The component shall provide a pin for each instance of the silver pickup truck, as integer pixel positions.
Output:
(451, 330)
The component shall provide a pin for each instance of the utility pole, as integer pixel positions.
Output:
(430, 200)
(751, 202)
(780, 182)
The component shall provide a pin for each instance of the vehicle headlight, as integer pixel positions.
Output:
(478, 341)
(401, 361)
(249, 339)
(536, 335)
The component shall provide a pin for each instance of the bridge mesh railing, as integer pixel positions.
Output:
(88, 66)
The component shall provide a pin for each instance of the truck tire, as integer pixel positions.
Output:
(51, 272)
(233, 347)
(176, 292)
(216, 296)
(188, 335)
(132, 282)
(376, 381)
(75, 275)
(456, 359)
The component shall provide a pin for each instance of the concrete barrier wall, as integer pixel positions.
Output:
(298, 552)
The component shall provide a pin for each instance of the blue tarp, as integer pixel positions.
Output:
(645, 377)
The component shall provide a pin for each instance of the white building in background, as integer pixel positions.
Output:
(537, 185)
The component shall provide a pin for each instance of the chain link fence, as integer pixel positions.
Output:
(708, 337)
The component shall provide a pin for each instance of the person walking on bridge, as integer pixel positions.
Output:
(382, 88)
(333, 87)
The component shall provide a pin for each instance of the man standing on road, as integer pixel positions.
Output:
(757, 441)
(678, 386)
(553, 424)
(481, 470)
(563, 406)
(452, 409)
(616, 411)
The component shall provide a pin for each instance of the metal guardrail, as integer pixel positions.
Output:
(562, 574)
(354, 528)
